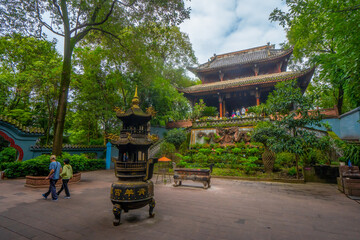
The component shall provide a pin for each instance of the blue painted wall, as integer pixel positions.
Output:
(350, 125)
(160, 131)
(22, 139)
(347, 126)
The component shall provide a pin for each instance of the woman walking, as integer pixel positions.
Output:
(66, 175)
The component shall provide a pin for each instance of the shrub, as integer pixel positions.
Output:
(352, 153)
(315, 157)
(219, 150)
(7, 155)
(237, 150)
(182, 164)
(285, 159)
(292, 171)
(14, 170)
(176, 137)
(205, 151)
(249, 165)
(39, 166)
(209, 112)
(200, 159)
(252, 151)
(184, 147)
(166, 149)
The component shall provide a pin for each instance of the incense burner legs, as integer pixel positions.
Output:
(117, 214)
(126, 195)
(151, 208)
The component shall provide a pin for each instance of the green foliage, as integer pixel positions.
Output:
(284, 160)
(292, 171)
(14, 170)
(167, 149)
(8, 154)
(142, 43)
(205, 151)
(209, 112)
(207, 139)
(219, 151)
(286, 133)
(39, 166)
(198, 109)
(326, 34)
(201, 159)
(184, 147)
(182, 164)
(249, 165)
(315, 157)
(236, 150)
(327, 126)
(29, 76)
(333, 135)
(176, 137)
(352, 153)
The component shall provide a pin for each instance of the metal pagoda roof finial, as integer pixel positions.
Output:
(135, 101)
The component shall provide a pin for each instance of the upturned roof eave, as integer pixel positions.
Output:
(197, 70)
(255, 81)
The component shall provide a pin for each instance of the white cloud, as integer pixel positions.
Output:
(225, 26)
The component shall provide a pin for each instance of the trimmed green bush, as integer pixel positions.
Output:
(176, 137)
(39, 166)
(7, 155)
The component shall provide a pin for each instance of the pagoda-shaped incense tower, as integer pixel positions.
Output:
(133, 168)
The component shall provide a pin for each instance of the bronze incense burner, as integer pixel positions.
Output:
(133, 169)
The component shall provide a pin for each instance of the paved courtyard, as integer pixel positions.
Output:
(230, 209)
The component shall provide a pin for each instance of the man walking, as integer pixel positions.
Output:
(54, 175)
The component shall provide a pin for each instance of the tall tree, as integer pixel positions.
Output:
(75, 19)
(286, 132)
(326, 32)
(29, 75)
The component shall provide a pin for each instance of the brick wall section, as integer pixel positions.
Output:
(179, 124)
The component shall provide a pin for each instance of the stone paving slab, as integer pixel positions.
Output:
(230, 209)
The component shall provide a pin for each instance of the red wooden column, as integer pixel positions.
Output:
(256, 69)
(257, 95)
(220, 105)
(221, 76)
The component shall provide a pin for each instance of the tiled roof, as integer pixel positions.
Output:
(254, 55)
(22, 128)
(68, 147)
(246, 81)
(133, 141)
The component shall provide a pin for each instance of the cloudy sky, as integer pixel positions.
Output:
(221, 26)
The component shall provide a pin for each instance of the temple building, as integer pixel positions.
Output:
(243, 78)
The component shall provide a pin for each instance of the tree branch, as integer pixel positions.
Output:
(77, 18)
(127, 5)
(353, 8)
(44, 23)
(82, 34)
(93, 18)
(111, 34)
(58, 9)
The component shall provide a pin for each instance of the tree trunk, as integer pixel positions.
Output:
(268, 158)
(64, 84)
(297, 166)
(62, 103)
(340, 99)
